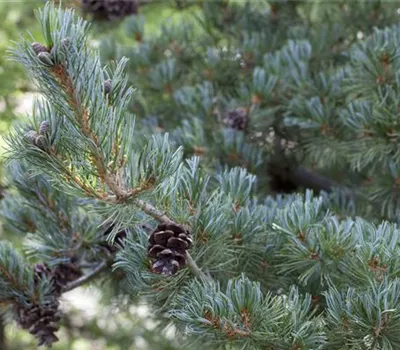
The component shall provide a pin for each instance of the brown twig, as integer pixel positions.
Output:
(308, 179)
(110, 179)
(88, 277)
(153, 212)
(195, 269)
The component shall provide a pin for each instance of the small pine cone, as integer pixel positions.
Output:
(46, 59)
(110, 9)
(31, 136)
(236, 119)
(44, 127)
(167, 248)
(34, 138)
(107, 86)
(42, 321)
(38, 48)
(40, 142)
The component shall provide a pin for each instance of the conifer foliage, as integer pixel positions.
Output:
(96, 193)
(278, 87)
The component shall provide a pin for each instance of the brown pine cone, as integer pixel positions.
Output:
(236, 119)
(42, 321)
(107, 86)
(167, 248)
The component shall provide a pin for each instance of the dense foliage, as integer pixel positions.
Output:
(166, 207)
(309, 85)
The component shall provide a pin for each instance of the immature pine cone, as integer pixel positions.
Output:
(44, 127)
(236, 119)
(110, 9)
(167, 248)
(107, 86)
(38, 48)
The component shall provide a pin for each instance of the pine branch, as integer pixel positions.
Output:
(195, 269)
(99, 123)
(153, 212)
(15, 277)
(298, 175)
(121, 194)
(303, 177)
(83, 119)
(287, 241)
(88, 277)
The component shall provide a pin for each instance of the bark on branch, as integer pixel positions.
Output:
(88, 277)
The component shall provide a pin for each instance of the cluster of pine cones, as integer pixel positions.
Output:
(43, 320)
(168, 245)
(110, 10)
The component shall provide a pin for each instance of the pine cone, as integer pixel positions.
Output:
(167, 249)
(38, 48)
(42, 321)
(44, 127)
(236, 119)
(31, 136)
(110, 9)
(107, 86)
(60, 275)
(46, 59)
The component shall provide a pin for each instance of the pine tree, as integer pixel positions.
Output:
(280, 76)
(166, 207)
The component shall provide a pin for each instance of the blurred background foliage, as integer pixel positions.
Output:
(16, 17)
